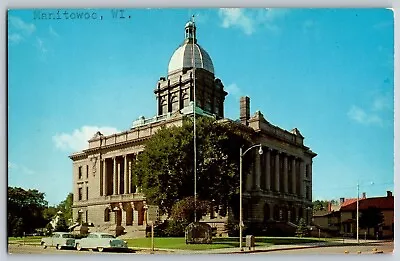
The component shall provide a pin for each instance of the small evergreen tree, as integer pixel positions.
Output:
(302, 228)
(61, 224)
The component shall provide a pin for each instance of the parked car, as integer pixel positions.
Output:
(59, 240)
(100, 241)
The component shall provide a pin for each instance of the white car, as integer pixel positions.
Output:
(59, 240)
(100, 241)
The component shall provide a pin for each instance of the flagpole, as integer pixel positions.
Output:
(194, 122)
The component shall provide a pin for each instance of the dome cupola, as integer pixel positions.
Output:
(183, 55)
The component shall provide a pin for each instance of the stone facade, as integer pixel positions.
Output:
(277, 188)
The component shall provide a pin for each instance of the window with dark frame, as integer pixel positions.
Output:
(79, 193)
(80, 172)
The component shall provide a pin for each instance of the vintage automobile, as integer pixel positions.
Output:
(59, 240)
(100, 241)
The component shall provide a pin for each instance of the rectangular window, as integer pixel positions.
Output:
(79, 193)
(87, 171)
(87, 193)
(80, 172)
(87, 216)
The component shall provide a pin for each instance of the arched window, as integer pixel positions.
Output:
(185, 99)
(164, 108)
(107, 215)
(174, 104)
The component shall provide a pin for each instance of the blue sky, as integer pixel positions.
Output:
(328, 72)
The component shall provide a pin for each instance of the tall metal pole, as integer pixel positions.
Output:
(358, 195)
(240, 200)
(194, 122)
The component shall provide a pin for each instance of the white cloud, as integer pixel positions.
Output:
(12, 167)
(18, 24)
(359, 115)
(15, 38)
(234, 90)
(248, 19)
(53, 32)
(40, 45)
(235, 17)
(78, 139)
(382, 102)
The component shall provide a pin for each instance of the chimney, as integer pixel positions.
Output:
(364, 195)
(341, 201)
(389, 193)
(329, 207)
(244, 110)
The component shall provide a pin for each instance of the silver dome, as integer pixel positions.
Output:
(182, 58)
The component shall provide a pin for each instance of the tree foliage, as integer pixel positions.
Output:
(61, 225)
(302, 229)
(65, 207)
(25, 210)
(371, 218)
(165, 170)
(323, 204)
(183, 210)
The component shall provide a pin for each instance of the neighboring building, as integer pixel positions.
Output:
(384, 204)
(344, 219)
(279, 187)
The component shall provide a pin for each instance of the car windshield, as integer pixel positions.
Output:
(107, 236)
(67, 236)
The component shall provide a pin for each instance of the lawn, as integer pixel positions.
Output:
(28, 239)
(219, 242)
(179, 242)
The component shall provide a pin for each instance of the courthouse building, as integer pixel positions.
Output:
(277, 189)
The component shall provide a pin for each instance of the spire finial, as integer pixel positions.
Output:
(190, 31)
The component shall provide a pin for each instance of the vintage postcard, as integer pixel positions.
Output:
(201, 131)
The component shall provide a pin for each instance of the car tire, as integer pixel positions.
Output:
(78, 247)
(100, 249)
(58, 247)
(44, 245)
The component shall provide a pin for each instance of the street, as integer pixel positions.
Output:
(383, 247)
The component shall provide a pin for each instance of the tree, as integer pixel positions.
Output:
(25, 210)
(65, 207)
(183, 210)
(302, 229)
(165, 170)
(371, 218)
(61, 225)
(323, 204)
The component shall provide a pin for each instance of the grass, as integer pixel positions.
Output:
(179, 242)
(29, 239)
(219, 242)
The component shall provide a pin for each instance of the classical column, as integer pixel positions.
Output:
(302, 179)
(126, 178)
(123, 215)
(104, 177)
(268, 169)
(115, 177)
(285, 173)
(258, 171)
(277, 169)
(130, 175)
(119, 177)
(294, 179)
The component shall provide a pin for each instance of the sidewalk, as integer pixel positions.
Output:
(270, 248)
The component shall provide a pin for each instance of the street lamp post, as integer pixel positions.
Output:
(260, 151)
(358, 210)
(357, 217)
